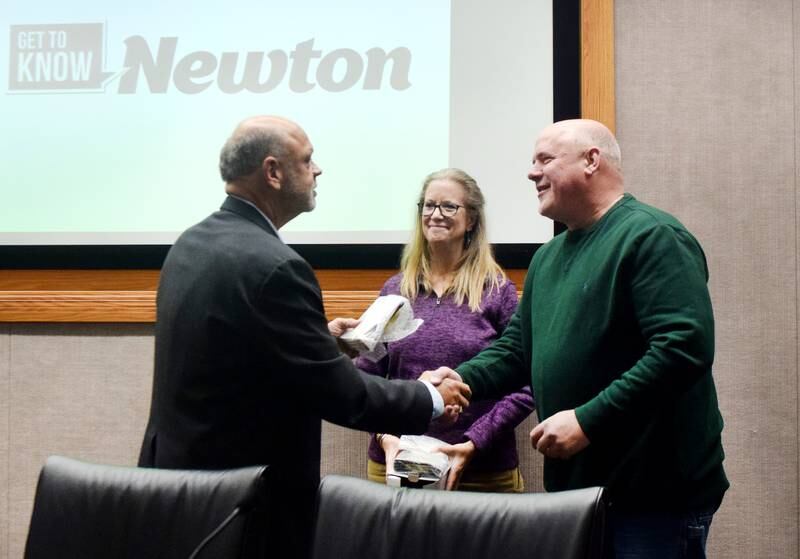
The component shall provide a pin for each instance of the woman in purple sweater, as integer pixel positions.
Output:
(454, 284)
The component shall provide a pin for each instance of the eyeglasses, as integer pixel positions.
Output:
(447, 209)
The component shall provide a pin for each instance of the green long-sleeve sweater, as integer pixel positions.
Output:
(616, 322)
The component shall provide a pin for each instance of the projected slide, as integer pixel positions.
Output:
(113, 116)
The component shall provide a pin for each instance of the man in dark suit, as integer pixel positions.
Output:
(245, 367)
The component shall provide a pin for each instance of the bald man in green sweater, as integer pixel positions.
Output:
(615, 333)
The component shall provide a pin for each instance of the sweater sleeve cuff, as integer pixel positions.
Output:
(590, 418)
(480, 439)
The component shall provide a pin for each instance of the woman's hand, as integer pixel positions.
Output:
(391, 446)
(460, 455)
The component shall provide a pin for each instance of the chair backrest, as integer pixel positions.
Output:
(89, 510)
(358, 518)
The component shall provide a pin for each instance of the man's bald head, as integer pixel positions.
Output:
(585, 134)
(576, 168)
(253, 140)
(267, 161)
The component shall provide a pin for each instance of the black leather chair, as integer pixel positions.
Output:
(358, 518)
(88, 510)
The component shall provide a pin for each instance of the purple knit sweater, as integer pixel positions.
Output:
(449, 336)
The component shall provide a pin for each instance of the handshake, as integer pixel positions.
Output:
(454, 392)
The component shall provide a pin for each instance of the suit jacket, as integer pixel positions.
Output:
(245, 367)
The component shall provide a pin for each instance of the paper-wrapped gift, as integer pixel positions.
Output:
(417, 464)
(389, 318)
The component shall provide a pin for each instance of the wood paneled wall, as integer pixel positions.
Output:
(118, 297)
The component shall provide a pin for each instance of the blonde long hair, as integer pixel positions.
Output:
(477, 267)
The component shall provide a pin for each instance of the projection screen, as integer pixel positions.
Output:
(114, 113)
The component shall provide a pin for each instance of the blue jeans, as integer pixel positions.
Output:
(659, 535)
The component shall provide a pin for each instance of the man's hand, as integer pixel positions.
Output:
(460, 455)
(449, 416)
(559, 436)
(339, 326)
(454, 393)
(437, 376)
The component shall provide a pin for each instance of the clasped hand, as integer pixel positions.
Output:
(454, 392)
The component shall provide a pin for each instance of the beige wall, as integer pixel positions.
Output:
(5, 455)
(708, 98)
(77, 390)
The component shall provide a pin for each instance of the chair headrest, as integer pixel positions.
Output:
(358, 518)
(128, 512)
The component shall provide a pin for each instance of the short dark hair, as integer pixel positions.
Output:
(245, 151)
